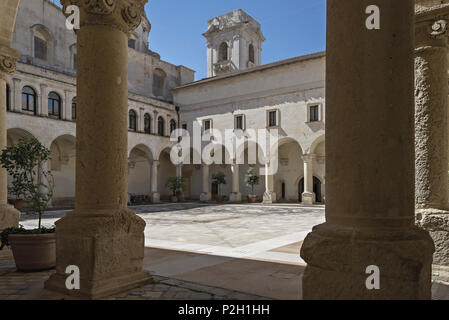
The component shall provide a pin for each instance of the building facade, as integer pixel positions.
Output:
(239, 93)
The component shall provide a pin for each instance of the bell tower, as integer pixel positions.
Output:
(234, 43)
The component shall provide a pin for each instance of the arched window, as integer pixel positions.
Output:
(8, 97)
(147, 123)
(29, 99)
(160, 126)
(251, 53)
(223, 53)
(158, 82)
(54, 105)
(74, 109)
(132, 121)
(172, 126)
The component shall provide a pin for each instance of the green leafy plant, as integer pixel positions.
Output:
(24, 162)
(251, 179)
(4, 242)
(219, 178)
(175, 184)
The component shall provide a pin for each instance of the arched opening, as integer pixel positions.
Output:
(62, 166)
(147, 123)
(139, 175)
(161, 126)
(54, 105)
(29, 100)
(132, 121)
(223, 52)
(251, 53)
(166, 170)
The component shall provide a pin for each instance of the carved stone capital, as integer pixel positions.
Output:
(8, 61)
(125, 15)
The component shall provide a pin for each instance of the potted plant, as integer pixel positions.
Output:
(251, 180)
(219, 178)
(175, 184)
(33, 250)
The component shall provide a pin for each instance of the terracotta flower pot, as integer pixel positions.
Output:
(33, 252)
(252, 199)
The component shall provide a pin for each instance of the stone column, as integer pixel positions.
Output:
(9, 217)
(269, 196)
(235, 195)
(16, 95)
(155, 196)
(102, 237)
(206, 194)
(369, 162)
(43, 101)
(431, 127)
(308, 196)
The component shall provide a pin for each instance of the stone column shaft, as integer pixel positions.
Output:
(269, 195)
(206, 194)
(9, 217)
(155, 197)
(308, 197)
(431, 127)
(369, 161)
(102, 236)
(235, 195)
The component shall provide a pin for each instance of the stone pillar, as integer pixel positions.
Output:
(9, 217)
(308, 196)
(206, 194)
(369, 161)
(102, 236)
(16, 95)
(67, 106)
(269, 196)
(43, 101)
(431, 127)
(235, 195)
(155, 196)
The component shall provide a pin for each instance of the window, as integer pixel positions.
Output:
(28, 99)
(54, 105)
(172, 126)
(272, 119)
(132, 43)
(314, 113)
(74, 109)
(223, 53)
(160, 126)
(207, 125)
(251, 53)
(132, 126)
(158, 82)
(147, 123)
(8, 97)
(40, 48)
(239, 122)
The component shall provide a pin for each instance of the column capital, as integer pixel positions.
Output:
(431, 27)
(308, 157)
(8, 61)
(125, 15)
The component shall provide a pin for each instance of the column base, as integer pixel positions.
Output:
(9, 216)
(205, 197)
(156, 197)
(235, 197)
(308, 198)
(269, 197)
(436, 222)
(108, 249)
(338, 257)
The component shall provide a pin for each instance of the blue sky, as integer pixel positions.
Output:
(292, 28)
